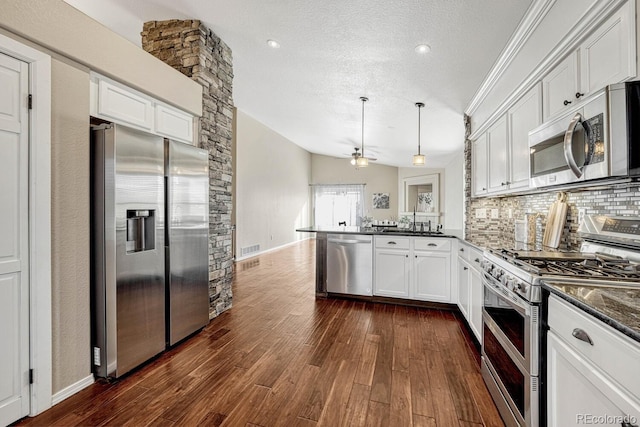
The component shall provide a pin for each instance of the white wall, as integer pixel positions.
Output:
(272, 187)
(378, 179)
(453, 194)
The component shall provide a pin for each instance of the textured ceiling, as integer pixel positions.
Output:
(334, 51)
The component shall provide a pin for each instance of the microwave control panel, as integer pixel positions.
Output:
(595, 144)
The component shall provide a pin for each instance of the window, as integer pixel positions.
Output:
(333, 204)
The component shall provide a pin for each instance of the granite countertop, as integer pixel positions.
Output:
(617, 306)
(378, 231)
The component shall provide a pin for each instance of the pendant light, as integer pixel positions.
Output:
(362, 161)
(418, 159)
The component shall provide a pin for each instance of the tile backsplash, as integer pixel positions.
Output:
(614, 200)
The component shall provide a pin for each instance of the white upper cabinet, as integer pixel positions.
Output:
(609, 54)
(123, 105)
(606, 56)
(522, 118)
(501, 154)
(560, 86)
(118, 103)
(498, 140)
(479, 166)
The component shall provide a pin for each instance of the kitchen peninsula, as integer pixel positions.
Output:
(397, 257)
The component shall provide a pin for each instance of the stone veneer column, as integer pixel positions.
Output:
(467, 172)
(191, 48)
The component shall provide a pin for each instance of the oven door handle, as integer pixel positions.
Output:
(568, 144)
(513, 300)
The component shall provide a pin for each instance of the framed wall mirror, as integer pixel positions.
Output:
(421, 193)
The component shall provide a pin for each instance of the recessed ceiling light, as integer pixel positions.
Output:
(273, 44)
(423, 48)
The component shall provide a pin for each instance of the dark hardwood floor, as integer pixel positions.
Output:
(281, 357)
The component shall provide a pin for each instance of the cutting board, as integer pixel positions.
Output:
(555, 221)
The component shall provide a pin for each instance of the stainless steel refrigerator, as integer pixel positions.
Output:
(187, 189)
(145, 293)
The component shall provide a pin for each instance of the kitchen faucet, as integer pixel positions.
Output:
(414, 220)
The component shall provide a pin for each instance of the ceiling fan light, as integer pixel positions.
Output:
(362, 162)
(353, 161)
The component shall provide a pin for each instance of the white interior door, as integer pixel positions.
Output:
(14, 250)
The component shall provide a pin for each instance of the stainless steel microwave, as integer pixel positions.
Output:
(600, 138)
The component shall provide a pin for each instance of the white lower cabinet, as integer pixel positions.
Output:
(391, 277)
(432, 276)
(413, 268)
(477, 301)
(470, 291)
(464, 288)
(589, 382)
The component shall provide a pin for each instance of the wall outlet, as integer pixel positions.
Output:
(510, 213)
(481, 213)
(581, 213)
(495, 214)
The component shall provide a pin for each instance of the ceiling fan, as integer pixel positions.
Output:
(356, 155)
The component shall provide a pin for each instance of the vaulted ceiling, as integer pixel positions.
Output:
(332, 52)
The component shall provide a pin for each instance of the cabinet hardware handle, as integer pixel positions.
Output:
(484, 188)
(416, 256)
(477, 260)
(582, 335)
(391, 243)
(566, 102)
(461, 249)
(578, 95)
(432, 244)
(465, 268)
(406, 256)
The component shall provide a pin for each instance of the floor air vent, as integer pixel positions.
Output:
(249, 250)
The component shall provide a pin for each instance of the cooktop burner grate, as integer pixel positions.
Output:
(587, 268)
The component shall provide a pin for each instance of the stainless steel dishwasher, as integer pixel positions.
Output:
(350, 264)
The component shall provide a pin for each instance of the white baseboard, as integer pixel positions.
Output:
(255, 254)
(72, 389)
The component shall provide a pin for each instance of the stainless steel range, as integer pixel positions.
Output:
(512, 279)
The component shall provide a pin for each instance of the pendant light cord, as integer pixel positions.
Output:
(418, 129)
(363, 99)
(419, 105)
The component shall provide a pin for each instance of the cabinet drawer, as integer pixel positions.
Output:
(429, 244)
(475, 258)
(615, 354)
(464, 251)
(398, 242)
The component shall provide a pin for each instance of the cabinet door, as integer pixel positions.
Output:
(479, 169)
(476, 300)
(391, 273)
(124, 105)
(608, 55)
(464, 294)
(559, 87)
(578, 394)
(523, 117)
(497, 139)
(432, 276)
